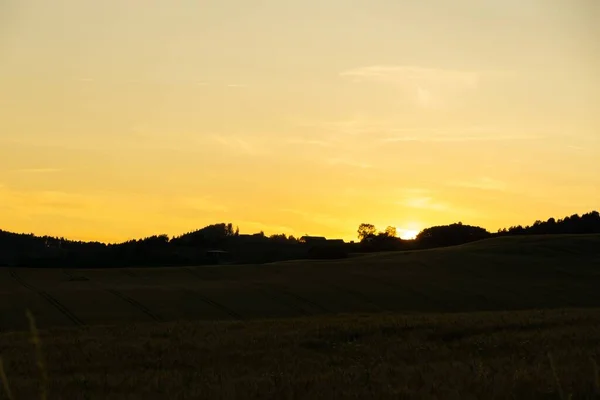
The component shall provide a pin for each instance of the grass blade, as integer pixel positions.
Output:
(561, 393)
(35, 338)
(596, 377)
(4, 380)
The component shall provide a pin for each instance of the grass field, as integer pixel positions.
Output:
(380, 326)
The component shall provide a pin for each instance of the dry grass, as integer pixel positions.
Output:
(479, 355)
(4, 379)
(380, 326)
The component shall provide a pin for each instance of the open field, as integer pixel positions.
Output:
(497, 274)
(439, 323)
(451, 356)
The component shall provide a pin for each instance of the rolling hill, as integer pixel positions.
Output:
(511, 273)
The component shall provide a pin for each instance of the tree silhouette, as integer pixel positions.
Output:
(366, 231)
(449, 235)
(574, 224)
(192, 248)
(391, 231)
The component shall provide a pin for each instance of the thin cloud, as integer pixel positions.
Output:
(349, 127)
(188, 208)
(449, 138)
(484, 183)
(429, 87)
(422, 76)
(200, 204)
(240, 145)
(44, 202)
(237, 85)
(404, 74)
(39, 170)
(384, 132)
(311, 142)
(474, 133)
(419, 198)
(415, 191)
(424, 202)
(349, 163)
(318, 218)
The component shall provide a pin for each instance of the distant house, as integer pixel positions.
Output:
(313, 239)
(253, 238)
(217, 256)
(320, 240)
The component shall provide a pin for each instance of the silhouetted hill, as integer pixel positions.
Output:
(542, 246)
(221, 243)
(451, 235)
(587, 223)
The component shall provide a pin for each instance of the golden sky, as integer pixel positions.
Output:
(125, 118)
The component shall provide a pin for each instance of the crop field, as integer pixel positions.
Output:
(456, 322)
(498, 274)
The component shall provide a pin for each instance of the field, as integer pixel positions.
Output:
(440, 323)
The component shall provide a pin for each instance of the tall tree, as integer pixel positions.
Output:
(391, 231)
(366, 231)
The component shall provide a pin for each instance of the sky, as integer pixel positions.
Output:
(125, 118)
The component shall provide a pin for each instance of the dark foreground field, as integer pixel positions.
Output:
(457, 356)
(154, 333)
(493, 275)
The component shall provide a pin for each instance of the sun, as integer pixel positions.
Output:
(408, 234)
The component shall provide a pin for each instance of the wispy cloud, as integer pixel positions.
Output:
(475, 133)
(424, 202)
(430, 87)
(29, 203)
(352, 126)
(483, 183)
(349, 163)
(237, 85)
(318, 218)
(412, 191)
(459, 138)
(199, 204)
(237, 144)
(187, 209)
(310, 142)
(38, 170)
(413, 75)
(419, 198)
(342, 132)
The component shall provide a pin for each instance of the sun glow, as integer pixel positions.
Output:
(408, 234)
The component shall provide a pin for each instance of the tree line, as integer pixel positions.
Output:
(223, 243)
(459, 233)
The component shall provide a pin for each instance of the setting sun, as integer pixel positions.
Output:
(408, 234)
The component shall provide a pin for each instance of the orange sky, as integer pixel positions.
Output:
(120, 119)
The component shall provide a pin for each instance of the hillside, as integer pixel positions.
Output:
(222, 243)
(496, 274)
(538, 245)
